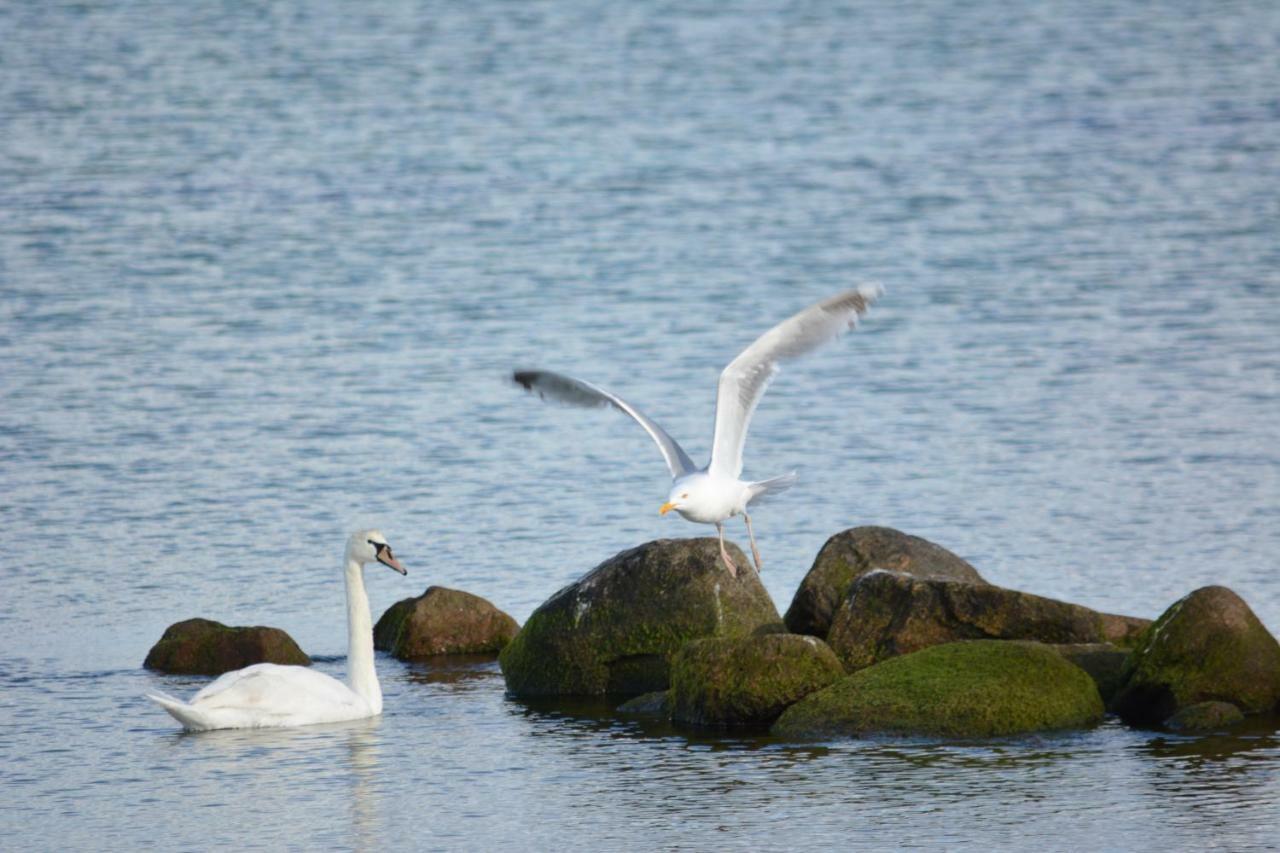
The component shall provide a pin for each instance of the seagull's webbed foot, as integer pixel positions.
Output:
(755, 552)
(724, 553)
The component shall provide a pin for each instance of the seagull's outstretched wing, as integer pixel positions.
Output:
(566, 389)
(742, 383)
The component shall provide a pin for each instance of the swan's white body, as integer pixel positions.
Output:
(268, 695)
(715, 492)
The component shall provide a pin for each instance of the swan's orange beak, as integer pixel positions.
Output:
(666, 508)
(385, 557)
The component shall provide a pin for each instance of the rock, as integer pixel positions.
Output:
(1205, 716)
(443, 621)
(1103, 661)
(205, 647)
(655, 704)
(614, 630)
(979, 688)
(888, 614)
(1207, 646)
(747, 681)
(848, 555)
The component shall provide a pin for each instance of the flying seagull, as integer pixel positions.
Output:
(713, 493)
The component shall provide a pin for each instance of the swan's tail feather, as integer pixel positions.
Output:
(191, 719)
(772, 486)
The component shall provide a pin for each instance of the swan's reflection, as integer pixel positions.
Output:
(363, 747)
(331, 766)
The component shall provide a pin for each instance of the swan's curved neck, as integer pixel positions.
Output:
(361, 676)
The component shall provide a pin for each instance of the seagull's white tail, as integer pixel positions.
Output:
(191, 719)
(772, 486)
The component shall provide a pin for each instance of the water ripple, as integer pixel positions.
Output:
(263, 270)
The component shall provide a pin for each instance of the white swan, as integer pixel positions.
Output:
(268, 695)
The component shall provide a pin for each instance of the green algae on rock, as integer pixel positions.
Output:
(614, 630)
(887, 614)
(443, 621)
(852, 553)
(1208, 646)
(747, 681)
(1205, 716)
(978, 688)
(204, 647)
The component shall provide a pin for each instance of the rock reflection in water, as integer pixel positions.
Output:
(453, 669)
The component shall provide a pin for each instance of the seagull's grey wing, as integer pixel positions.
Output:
(575, 392)
(743, 382)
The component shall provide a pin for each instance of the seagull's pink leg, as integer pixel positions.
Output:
(724, 554)
(755, 552)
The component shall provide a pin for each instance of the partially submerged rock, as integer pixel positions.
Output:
(655, 704)
(852, 553)
(981, 688)
(205, 647)
(1103, 661)
(888, 614)
(1208, 646)
(1205, 716)
(443, 621)
(614, 630)
(747, 681)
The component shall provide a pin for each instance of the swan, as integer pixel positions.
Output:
(715, 492)
(268, 695)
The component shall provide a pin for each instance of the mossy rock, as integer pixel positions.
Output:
(205, 647)
(747, 681)
(615, 629)
(852, 553)
(655, 704)
(443, 621)
(888, 614)
(1208, 646)
(1205, 716)
(1103, 661)
(980, 688)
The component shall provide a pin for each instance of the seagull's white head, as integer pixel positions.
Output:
(700, 498)
(367, 546)
(677, 500)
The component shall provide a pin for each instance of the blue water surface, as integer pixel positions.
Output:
(264, 268)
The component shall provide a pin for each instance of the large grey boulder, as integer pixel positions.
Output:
(848, 555)
(887, 614)
(615, 629)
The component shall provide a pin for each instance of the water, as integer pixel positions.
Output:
(263, 268)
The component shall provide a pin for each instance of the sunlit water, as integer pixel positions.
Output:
(263, 268)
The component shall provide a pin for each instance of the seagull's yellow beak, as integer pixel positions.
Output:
(666, 508)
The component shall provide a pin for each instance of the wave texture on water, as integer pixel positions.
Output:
(264, 270)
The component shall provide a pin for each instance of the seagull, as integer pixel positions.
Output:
(715, 492)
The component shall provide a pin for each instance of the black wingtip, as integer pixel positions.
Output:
(524, 378)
